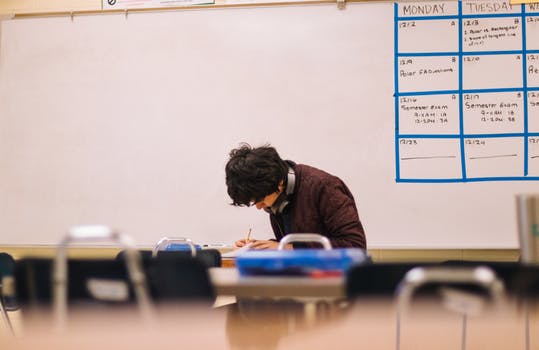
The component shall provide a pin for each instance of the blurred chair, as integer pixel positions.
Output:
(185, 247)
(100, 280)
(181, 247)
(106, 281)
(405, 283)
(177, 244)
(461, 289)
(129, 281)
(377, 280)
(178, 269)
(175, 278)
(42, 283)
(382, 279)
(7, 303)
(521, 281)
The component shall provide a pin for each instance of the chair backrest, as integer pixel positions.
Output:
(382, 279)
(185, 247)
(178, 278)
(461, 289)
(176, 243)
(7, 301)
(145, 254)
(98, 280)
(377, 279)
(7, 271)
(7, 265)
(208, 257)
(105, 281)
(452, 282)
(520, 280)
(99, 288)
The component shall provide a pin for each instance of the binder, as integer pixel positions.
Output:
(301, 262)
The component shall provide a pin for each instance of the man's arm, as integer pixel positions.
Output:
(340, 217)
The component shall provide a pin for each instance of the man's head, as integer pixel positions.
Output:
(255, 175)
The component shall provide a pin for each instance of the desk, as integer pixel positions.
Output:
(369, 325)
(227, 281)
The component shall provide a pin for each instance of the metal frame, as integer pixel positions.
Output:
(305, 237)
(3, 311)
(165, 241)
(417, 277)
(97, 233)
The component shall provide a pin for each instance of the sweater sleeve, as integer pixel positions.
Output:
(339, 214)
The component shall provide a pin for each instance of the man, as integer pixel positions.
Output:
(298, 198)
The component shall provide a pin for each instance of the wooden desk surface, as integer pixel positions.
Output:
(227, 281)
(369, 325)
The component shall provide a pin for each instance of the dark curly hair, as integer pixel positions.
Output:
(253, 172)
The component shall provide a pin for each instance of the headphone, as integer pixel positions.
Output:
(283, 200)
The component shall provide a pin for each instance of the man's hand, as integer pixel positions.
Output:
(260, 244)
(242, 242)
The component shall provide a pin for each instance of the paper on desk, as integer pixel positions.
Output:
(237, 252)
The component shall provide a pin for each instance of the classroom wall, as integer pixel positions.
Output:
(38, 6)
(318, 76)
(26, 6)
(29, 6)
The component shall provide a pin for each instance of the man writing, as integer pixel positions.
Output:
(299, 198)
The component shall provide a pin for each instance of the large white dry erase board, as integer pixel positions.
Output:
(127, 121)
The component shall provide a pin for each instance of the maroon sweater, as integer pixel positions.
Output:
(321, 203)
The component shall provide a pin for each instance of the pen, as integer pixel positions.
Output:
(248, 235)
(217, 245)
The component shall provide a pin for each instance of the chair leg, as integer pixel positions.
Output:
(5, 316)
(398, 336)
(527, 325)
(464, 321)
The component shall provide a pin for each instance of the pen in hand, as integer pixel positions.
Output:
(248, 236)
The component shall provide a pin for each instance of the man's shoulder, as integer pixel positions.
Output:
(311, 174)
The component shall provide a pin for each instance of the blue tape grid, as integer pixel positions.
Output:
(461, 136)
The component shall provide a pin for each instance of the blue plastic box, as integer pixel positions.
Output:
(181, 247)
(300, 262)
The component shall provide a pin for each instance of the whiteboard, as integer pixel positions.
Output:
(127, 121)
